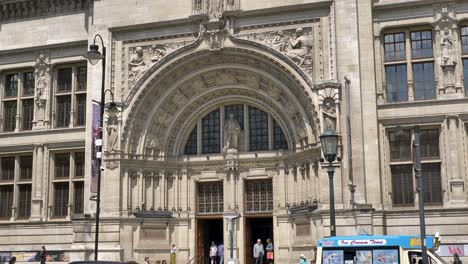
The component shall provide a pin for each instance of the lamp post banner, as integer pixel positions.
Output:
(96, 118)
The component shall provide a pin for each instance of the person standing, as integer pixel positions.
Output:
(43, 255)
(303, 259)
(173, 254)
(258, 252)
(456, 259)
(12, 260)
(269, 251)
(220, 253)
(213, 252)
(147, 261)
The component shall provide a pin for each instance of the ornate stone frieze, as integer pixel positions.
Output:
(141, 58)
(21, 9)
(296, 44)
(42, 75)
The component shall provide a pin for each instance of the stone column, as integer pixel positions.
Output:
(37, 202)
(454, 154)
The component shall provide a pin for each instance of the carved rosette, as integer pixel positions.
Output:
(42, 76)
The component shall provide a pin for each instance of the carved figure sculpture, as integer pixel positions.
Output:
(137, 65)
(215, 10)
(231, 133)
(299, 47)
(277, 40)
(112, 136)
(158, 53)
(329, 114)
(446, 44)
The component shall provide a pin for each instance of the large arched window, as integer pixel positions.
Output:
(258, 131)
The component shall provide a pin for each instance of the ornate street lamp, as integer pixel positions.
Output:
(329, 142)
(94, 56)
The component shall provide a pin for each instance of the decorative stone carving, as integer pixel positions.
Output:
(329, 100)
(215, 9)
(112, 134)
(42, 76)
(329, 114)
(231, 133)
(215, 34)
(296, 44)
(34, 8)
(445, 27)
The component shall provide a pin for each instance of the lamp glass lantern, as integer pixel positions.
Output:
(329, 141)
(93, 55)
(112, 109)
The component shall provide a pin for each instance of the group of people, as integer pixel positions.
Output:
(259, 252)
(216, 253)
(42, 256)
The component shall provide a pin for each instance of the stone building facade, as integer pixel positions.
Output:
(221, 105)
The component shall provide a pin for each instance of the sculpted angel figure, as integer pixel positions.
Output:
(231, 133)
(300, 47)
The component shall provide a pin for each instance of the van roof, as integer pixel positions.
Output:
(375, 241)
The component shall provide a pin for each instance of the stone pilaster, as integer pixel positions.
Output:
(37, 199)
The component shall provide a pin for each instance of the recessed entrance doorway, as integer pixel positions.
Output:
(208, 230)
(257, 228)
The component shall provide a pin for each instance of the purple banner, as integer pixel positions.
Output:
(96, 117)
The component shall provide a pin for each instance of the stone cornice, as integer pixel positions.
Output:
(23, 9)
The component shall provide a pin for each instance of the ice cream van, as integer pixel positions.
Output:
(366, 249)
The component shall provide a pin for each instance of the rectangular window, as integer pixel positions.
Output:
(424, 88)
(465, 74)
(62, 165)
(60, 199)
(258, 129)
(9, 121)
(8, 169)
(397, 85)
(81, 78)
(26, 165)
(421, 44)
(211, 133)
(6, 201)
(24, 201)
(64, 79)
(63, 110)
(78, 197)
(464, 39)
(395, 47)
(28, 84)
(429, 143)
(28, 114)
(402, 184)
(79, 164)
(81, 110)
(432, 183)
(258, 196)
(210, 198)
(400, 145)
(11, 85)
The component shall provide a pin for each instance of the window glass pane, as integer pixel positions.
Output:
(28, 114)
(81, 110)
(81, 78)
(402, 184)
(258, 129)
(429, 143)
(64, 79)
(63, 110)
(464, 39)
(11, 85)
(211, 133)
(6, 201)
(60, 199)
(432, 183)
(24, 201)
(78, 198)
(210, 198)
(192, 144)
(465, 74)
(394, 47)
(258, 196)
(9, 115)
(397, 86)
(79, 164)
(8, 169)
(62, 165)
(400, 145)
(279, 139)
(26, 165)
(421, 44)
(28, 83)
(424, 87)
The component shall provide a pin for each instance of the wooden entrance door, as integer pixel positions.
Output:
(200, 241)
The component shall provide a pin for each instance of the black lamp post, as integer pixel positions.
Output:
(329, 142)
(93, 56)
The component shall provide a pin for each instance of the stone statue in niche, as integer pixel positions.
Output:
(448, 61)
(299, 47)
(42, 77)
(231, 133)
(112, 134)
(215, 10)
(329, 114)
